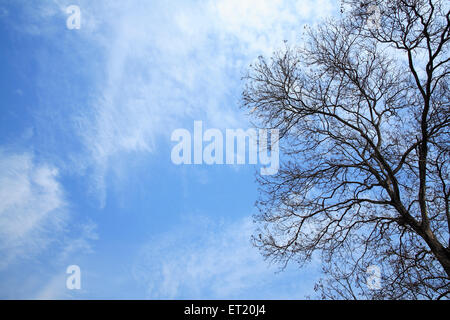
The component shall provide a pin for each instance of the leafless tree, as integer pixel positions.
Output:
(363, 112)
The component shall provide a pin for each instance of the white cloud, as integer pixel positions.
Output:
(167, 63)
(214, 260)
(32, 206)
(315, 9)
(161, 63)
(81, 242)
(34, 212)
(55, 288)
(35, 222)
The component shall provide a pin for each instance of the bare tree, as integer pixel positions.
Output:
(363, 111)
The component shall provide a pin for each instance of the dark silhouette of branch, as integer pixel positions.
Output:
(364, 117)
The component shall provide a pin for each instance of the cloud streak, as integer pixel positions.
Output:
(32, 207)
(209, 259)
(164, 64)
(35, 221)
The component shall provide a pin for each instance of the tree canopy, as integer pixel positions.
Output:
(363, 112)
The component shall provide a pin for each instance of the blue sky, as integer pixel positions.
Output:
(86, 176)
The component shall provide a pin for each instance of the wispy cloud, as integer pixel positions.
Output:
(35, 221)
(215, 260)
(55, 288)
(32, 207)
(166, 63)
(147, 67)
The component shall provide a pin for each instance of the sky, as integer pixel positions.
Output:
(86, 176)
